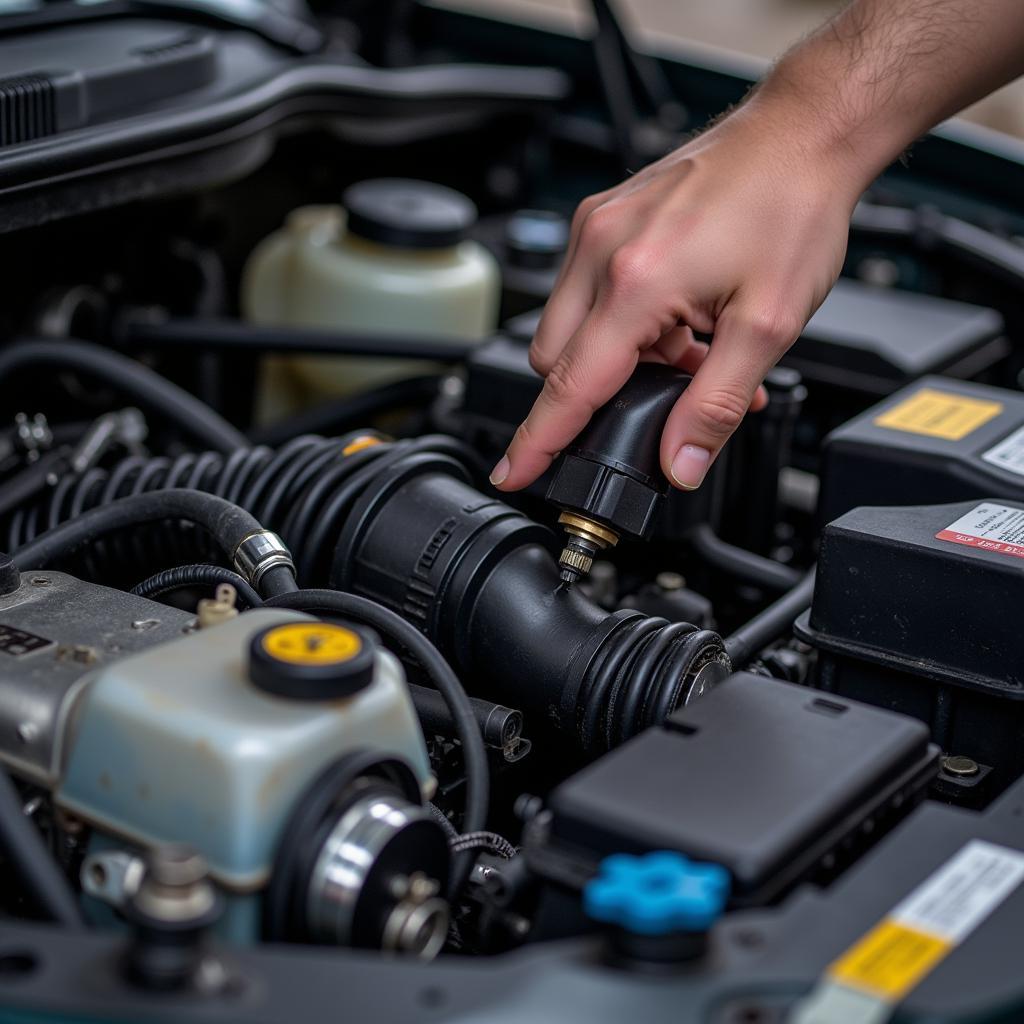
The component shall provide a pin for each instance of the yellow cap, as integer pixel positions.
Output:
(311, 643)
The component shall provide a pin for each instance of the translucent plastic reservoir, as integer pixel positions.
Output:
(377, 268)
(177, 745)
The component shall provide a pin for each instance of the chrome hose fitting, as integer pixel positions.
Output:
(260, 552)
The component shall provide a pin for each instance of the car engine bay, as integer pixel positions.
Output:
(300, 717)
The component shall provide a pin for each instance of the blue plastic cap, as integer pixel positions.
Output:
(657, 893)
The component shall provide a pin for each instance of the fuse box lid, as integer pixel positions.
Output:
(760, 776)
(935, 590)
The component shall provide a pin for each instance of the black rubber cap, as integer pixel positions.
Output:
(10, 577)
(408, 214)
(310, 660)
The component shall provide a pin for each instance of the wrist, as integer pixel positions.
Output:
(837, 109)
(839, 134)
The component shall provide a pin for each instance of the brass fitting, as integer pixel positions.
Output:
(585, 538)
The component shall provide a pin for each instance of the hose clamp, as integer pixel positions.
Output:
(260, 552)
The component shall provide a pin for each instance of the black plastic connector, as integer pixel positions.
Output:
(609, 481)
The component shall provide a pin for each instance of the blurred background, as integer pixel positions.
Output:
(748, 28)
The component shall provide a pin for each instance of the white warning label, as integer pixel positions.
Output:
(1009, 453)
(990, 527)
(963, 892)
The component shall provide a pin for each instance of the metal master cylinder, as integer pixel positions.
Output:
(285, 751)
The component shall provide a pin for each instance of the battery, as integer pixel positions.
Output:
(938, 440)
(918, 609)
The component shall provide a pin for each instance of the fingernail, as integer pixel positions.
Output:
(690, 465)
(500, 471)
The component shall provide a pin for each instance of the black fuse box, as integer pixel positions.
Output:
(766, 778)
(938, 440)
(919, 609)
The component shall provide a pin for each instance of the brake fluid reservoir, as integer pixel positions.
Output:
(394, 258)
(211, 739)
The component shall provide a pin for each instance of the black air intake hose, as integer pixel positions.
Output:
(479, 579)
(401, 523)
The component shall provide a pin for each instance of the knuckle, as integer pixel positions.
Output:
(583, 211)
(524, 436)
(720, 412)
(562, 384)
(774, 327)
(598, 225)
(630, 266)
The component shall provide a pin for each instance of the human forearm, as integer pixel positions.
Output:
(741, 232)
(882, 72)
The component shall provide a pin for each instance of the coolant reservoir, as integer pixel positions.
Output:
(394, 258)
(211, 739)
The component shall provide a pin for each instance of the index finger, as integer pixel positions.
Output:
(597, 360)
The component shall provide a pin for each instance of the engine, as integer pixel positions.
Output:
(290, 694)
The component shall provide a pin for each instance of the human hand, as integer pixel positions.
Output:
(738, 234)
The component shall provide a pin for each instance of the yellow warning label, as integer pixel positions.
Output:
(890, 960)
(357, 444)
(312, 643)
(939, 414)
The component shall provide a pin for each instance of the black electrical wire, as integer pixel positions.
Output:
(238, 335)
(406, 637)
(484, 841)
(147, 389)
(26, 853)
(442, 819)
(463, 843)
(771, 623)
(345, 414)
(225, 522)
(199, 575)
(744, 565)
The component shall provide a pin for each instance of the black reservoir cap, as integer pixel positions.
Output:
(408, 214)
(312, 660)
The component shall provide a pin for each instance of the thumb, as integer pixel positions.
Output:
(746, 345)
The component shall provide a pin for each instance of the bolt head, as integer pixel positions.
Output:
(957, 764)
